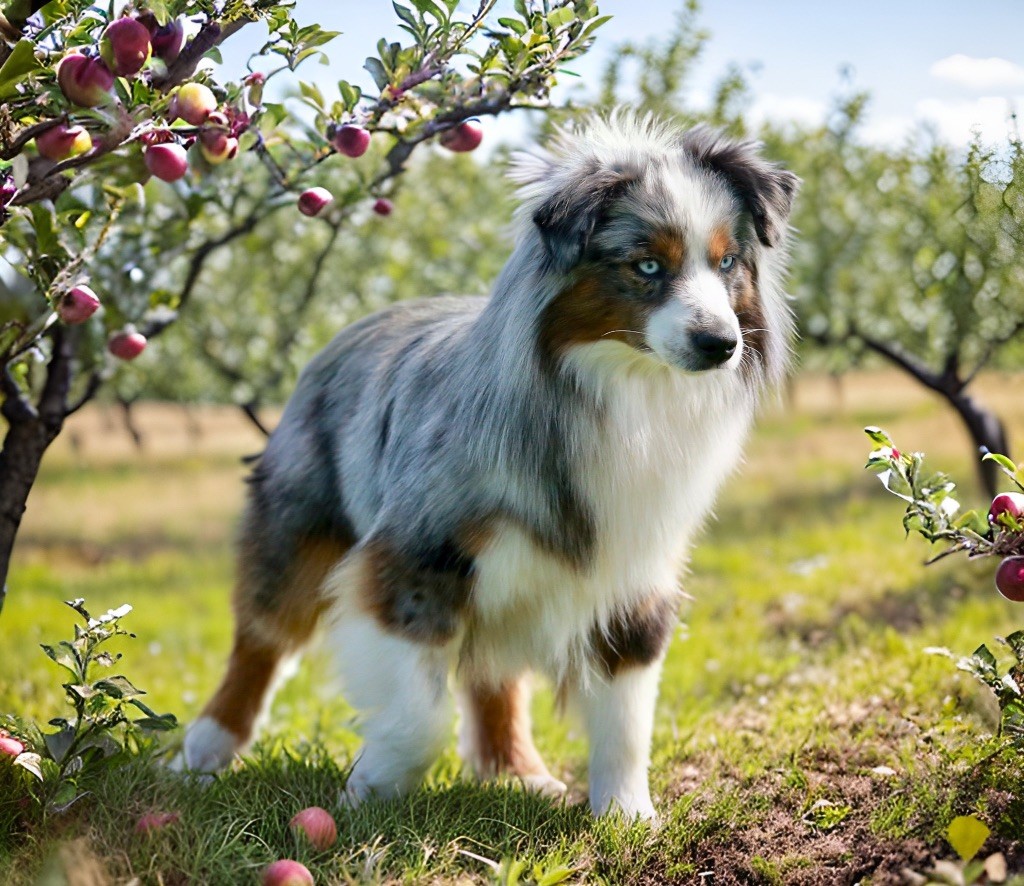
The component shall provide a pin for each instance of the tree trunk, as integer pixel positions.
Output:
(987, 432)
(20, 458)
(30, 431)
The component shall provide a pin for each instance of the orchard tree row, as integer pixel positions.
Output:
(130, 166)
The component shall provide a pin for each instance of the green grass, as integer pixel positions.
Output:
(804, 733)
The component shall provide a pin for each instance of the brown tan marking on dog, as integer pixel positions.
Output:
(746, 300)
(592, 309)
(421, 594)
(499, 729)
(669, 246)
(263, 637)
(635, 637)
(720, 244)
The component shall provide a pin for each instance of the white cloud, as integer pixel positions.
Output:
(980, 74)
(787, 108)
(956, 119)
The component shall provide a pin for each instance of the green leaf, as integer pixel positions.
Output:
(594, 25)
(1000, 460)
(429, 6)
(117, 687)
(20, 64)
(878, 436)
(513, 24)
(59, 743)
(377, 71)
(966, 835)
(406, 15)
(65, 655)
(350, 94)
(312, 92)
(557, 18)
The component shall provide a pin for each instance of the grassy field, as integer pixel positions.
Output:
(804, 733)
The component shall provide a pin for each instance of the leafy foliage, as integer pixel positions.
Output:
(933, 509)
(105, 728)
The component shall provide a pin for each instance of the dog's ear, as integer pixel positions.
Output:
(766, 189)
(568, 218)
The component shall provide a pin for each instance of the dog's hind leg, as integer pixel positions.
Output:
(495, 735)
(275, 615)
(398, 685)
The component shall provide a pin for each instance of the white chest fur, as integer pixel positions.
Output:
(649, 474)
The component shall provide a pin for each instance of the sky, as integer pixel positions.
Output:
(956, 66)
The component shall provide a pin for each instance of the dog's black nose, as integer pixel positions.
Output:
(715, 347)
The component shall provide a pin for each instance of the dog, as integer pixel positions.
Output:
(485, 488)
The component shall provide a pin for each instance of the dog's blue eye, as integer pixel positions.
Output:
(649, 267)
(727, 262)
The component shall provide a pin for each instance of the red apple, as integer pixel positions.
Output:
(85, 81)
(383, 206)
(1010, 579)
(314, 200)
(350, 140)
(61, 142)
(167, 162)
(125, 46)
(1011, 503)
(464, 137)
(167, 39)
(126, 344)
(287, 873)
(154, 821)
(217, 146)
(193, 102)
(8, 189)
(10, 746)
(77, 305)
(315, 825)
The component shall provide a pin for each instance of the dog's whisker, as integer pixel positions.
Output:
(613, 331)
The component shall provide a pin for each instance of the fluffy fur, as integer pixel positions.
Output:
(487, 488)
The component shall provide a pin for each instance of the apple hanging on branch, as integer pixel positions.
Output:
(934, 511)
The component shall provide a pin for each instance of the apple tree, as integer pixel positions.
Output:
(912, 255)
(124, 173)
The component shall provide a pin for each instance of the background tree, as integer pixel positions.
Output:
(79, 135)
(912, 255)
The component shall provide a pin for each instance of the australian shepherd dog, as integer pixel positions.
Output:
(465, 491)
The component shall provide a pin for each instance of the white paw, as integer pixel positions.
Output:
(208, 746)
(546, 785)
(631, 803)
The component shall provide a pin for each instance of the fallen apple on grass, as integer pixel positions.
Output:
(316, 825)
(10, 746)
(286, 872)
(151, 822)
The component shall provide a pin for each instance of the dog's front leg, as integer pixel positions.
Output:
(619, 715)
